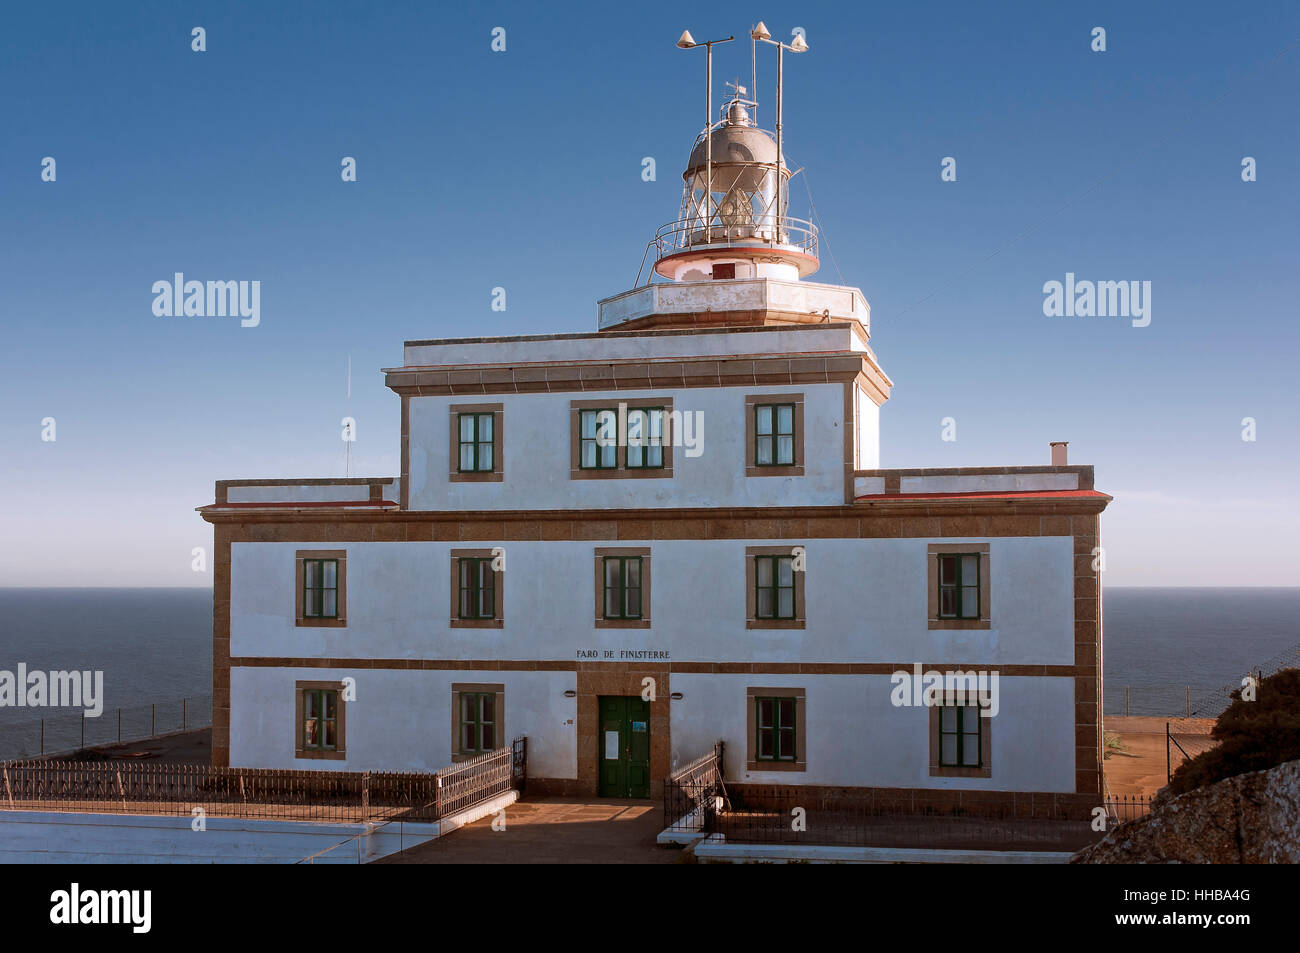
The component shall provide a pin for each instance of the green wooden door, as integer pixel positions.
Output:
(624, 747)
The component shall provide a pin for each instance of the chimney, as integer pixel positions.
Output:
(1058, 452)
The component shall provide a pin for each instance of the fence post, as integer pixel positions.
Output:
(1169, 771)
(365, 799)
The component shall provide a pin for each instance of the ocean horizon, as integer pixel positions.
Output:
(154, 644)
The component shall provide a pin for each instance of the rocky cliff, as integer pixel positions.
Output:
(1248, 819)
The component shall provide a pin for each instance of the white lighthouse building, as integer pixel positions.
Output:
(631, 543)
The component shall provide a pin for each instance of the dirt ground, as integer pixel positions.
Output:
(186, 747)
(555, 831)
(1138, 766)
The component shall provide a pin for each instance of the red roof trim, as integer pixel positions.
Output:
(996, 495)
(299, 505)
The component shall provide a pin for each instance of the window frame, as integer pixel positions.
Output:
(753, 696)
(301, 559)
(308, 689)
(774, 588)
(752, 619)
(775, 469)
(777, 728)
(481, 556)
(934, 553)
(458, 691)
(940, 768)
(476, 444)
(621, 467)
(497, 473)
(641, 553)
(478, 582)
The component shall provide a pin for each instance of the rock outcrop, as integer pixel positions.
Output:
(1248, 819)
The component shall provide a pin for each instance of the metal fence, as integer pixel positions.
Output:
(63, 732)
(692, 791)
(115, 787)
(1126, 807)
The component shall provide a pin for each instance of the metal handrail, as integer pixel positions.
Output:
(793, 233)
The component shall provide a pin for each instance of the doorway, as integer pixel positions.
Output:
(624, 746)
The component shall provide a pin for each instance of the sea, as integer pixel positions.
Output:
(1166, 651)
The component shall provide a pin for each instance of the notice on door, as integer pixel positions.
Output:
(611, 746)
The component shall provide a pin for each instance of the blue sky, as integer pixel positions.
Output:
(522, 170)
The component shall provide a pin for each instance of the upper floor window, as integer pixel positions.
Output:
(958, 586)
(320, 596)
(774, 435)
(774, 583)
(476, 450)
(477, 577)
(774, 440)
(321, 583)
(621, 439)
(599, 434)
(774, 577)
(622, 587)
(477, 588)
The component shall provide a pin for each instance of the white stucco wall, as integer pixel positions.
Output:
(866, 602)
(769, 341)
(401, 719)
(537, 455)
(857, 737)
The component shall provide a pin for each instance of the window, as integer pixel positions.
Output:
(321, 598)
(722, 271)
(774, 577)
(478, 718)
(477, 589)
(478, 722)
(622, 587)
(599, 431)
(774, 435)
(621, 439)
(476, 451)
(776, 728)
(774, 587)
(319, 722)
(320, 594)
(958, 586)
(959, 736)
(777, 731)
(645, 438)
(959, 740)
(477, 578)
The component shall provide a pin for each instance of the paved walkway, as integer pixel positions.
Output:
(555, 831)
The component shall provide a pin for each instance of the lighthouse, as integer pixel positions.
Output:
(736, 254)
(728, 563)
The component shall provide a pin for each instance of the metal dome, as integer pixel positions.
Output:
(734, 143)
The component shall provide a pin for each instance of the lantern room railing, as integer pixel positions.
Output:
(795, 235)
